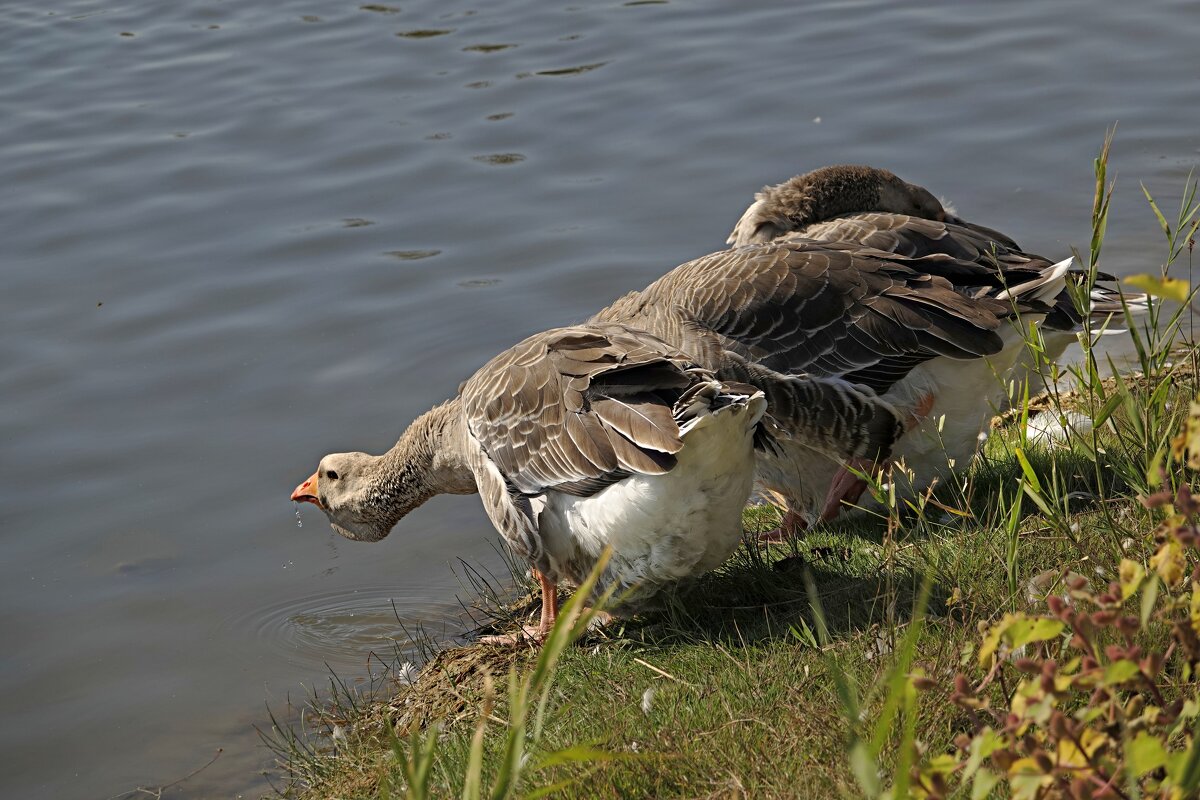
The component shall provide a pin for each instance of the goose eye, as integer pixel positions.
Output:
(331, 475)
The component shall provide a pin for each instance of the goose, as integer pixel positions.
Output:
(874, 208)
(905, 333)
(800, 205)
(576, 439)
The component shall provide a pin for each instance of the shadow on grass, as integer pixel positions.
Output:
(760, 595)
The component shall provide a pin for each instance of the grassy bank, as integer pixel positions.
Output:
(924, 651)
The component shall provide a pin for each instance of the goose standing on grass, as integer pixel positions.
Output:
(576, 439)
(930, 338)
(873, 208)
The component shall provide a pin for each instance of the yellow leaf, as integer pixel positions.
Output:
(1017, 630)
(1168, 561)
(1132, 573)
(991, 641)
(1170, 288)
(1194, 609)
(1070, 754)
(1019, 702)
(1025, 766)
(1026, 779)
(1186, 446)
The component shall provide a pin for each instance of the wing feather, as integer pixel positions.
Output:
(821, 308)
(578, 408)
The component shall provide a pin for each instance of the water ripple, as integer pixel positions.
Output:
(330, 627)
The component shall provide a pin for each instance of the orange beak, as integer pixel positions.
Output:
(307, 492)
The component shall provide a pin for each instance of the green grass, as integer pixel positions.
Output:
(744, 700)
(786, 673)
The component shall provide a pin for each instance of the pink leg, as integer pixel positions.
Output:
(848, 487)
(791, 526)
(920, 411)
(549, 614)
(549, 604)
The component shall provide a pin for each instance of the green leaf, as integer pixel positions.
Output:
(1162, 221)
(805, 635)
(473, 780)
(983, 745)
(1027, 468)
(1110, 405)
(1149, 598)
(579, 753)
(550, 790)
(865, 769)
(1175, 289)
(1189, 778)
(1145, 754)
(985, 781)
(1120, 671)
(1035, 495)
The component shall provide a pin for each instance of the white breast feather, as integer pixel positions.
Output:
(662, 528)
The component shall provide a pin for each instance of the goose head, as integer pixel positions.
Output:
(829, 192)
(364, 496)
(897, 196)
(355, 493)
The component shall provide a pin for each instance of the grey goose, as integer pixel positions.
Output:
(591, 436)
(931, 337)
(874, 208)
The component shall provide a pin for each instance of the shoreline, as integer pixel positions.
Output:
(752, 617)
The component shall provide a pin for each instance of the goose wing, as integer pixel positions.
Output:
(576, 409)
(821, 309)
(916, 237)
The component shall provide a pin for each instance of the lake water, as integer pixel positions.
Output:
(235, 236)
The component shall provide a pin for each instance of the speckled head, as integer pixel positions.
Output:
(361, 505)
(364, 496)
(830, 192)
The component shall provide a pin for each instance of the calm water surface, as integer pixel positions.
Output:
(238, 235)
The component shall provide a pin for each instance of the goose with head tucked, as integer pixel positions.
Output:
(578, 439)
(929, 338)
(873, 208)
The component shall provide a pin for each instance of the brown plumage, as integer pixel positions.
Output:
(819, 309)
(575, 439)
(873, 208)
(851, 345)
(870, 210)
(585, 407)
(827, 193)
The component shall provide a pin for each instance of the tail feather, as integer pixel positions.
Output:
(1044, 288)
(1108, 301)
(706, 399)
(1107, 305)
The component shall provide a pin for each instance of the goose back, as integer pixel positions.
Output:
(821, 308)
